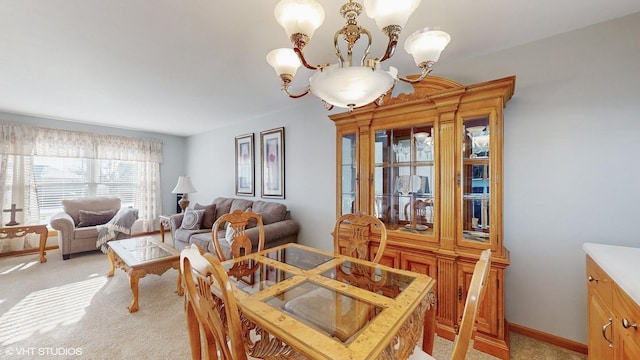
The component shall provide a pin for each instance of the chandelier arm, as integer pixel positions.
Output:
(338, 52)
(393, 33)
(295, 96)
(391, 49)
(366, 50)
(304, 62)
(286, 80)
(426, 67)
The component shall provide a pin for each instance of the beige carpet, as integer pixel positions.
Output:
(71, 310)
(71, 307)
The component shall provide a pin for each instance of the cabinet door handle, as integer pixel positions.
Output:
(604, 332)
(626, 324)
(591, 278)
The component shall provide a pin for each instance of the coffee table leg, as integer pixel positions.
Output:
(134, 277)
(112, 261)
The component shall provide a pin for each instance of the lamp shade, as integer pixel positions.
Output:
(299, 16)
(349, 87)
(390, 12)
(426, 45)
(284, 61)
(184, 186)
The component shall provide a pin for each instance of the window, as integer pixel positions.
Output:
(59, 178)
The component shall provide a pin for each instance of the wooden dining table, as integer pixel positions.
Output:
(298, 302)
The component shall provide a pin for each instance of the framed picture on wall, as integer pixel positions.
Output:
(245, 167)
(272, 158)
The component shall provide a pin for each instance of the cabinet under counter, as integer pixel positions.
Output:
(613, 283)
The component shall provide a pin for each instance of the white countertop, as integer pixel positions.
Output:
(621, 263)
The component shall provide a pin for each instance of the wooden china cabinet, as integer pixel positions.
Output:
(429, 164)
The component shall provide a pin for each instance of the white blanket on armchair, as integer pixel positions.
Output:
(121, 223)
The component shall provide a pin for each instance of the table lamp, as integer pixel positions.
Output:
(184, 187)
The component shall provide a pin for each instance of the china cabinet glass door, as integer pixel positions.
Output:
(476, 179)
(404, 175)
(348, 173)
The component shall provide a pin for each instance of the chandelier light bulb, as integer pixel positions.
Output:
(390, 12)
(426, 45)
(299, 16)
(284, 61)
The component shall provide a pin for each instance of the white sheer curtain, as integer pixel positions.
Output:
(19, 143)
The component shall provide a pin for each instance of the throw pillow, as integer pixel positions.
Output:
(192, 219)
(92, 218)
(209, 215)
(229, 234)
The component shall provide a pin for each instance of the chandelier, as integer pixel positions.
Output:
(345, 84)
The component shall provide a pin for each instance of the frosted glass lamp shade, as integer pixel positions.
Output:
(284, 61)
(299, 16)
(349, 87)
(184, 186)
(426, 45)
(390, 12)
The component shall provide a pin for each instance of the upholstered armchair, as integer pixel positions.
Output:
(79, 224)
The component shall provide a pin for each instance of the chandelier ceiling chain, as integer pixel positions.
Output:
(346, 84)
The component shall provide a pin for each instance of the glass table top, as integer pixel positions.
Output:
(298, 257)
(140, 250)
(333, 313)
(253, 276)
(372, 278)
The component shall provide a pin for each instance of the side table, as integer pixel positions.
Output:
(165, 224)
(17, 231)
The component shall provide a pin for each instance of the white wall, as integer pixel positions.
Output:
(571, 147)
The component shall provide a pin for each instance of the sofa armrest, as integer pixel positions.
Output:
(175, 221)
(64, 224)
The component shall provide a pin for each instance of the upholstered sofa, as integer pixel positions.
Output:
(279, 228)
(81, 221)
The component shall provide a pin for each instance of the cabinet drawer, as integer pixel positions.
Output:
(626, 308)
(599, 282)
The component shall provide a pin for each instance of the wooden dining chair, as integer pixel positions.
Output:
(236, 236)
(213, 322)
(474, 296)
(355, 231)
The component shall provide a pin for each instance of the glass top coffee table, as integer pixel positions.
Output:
(140, 256)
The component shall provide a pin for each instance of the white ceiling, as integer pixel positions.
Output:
(188, 66)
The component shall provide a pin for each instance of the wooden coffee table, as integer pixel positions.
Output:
(140, 256)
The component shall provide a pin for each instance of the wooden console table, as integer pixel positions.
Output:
(19, 231)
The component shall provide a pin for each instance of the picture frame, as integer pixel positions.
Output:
(272, 159)
(245, 165)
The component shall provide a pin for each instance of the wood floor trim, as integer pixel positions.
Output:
(548, 338)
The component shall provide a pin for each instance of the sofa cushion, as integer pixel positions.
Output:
(240, 204)
(209, 215)
(88, 232)
(270, 212)
(192, 219)
(223, 206)
(92, 218)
